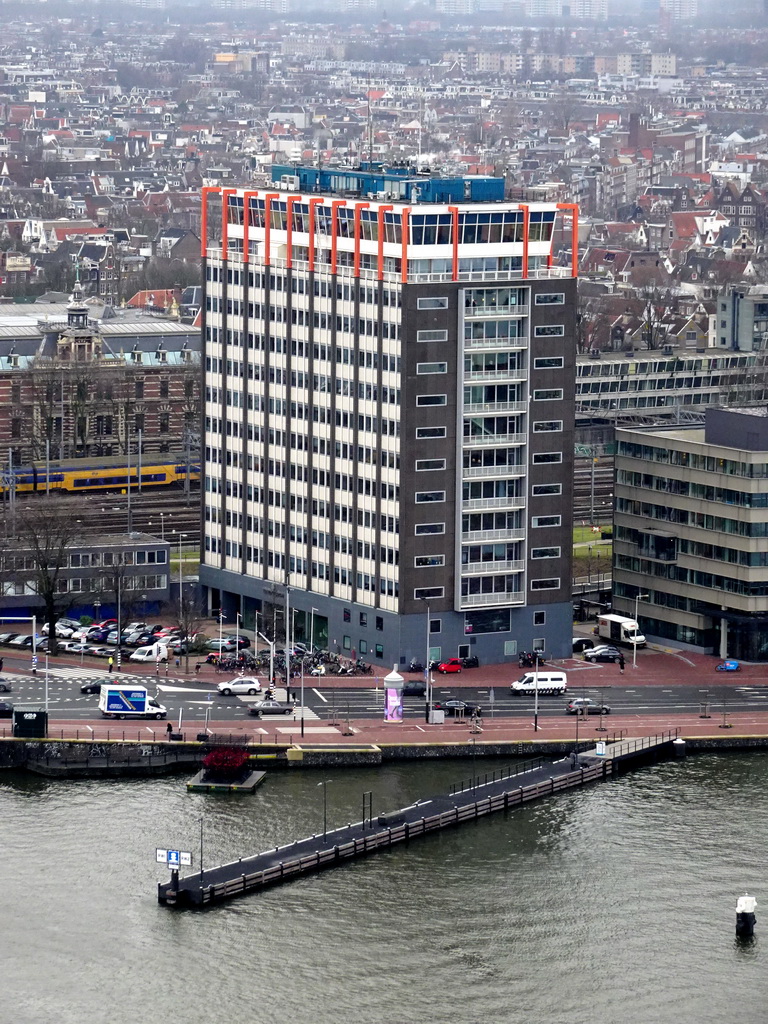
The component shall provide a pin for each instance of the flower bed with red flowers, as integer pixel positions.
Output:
(225, 764)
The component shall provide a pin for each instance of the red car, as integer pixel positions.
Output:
(452, 665)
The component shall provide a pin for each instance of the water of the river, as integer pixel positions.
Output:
(615, 903)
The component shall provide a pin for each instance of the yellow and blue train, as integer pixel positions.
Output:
(103, 474)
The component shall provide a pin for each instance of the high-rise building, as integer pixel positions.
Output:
(389, 376)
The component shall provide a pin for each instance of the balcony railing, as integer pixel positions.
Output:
(493, 472)
(502, 344)
(482, 312)
(513, 376)
(471, 408)
(473, 568)
(492, 535)
(478, 504)
(493, 440)
(486, 600)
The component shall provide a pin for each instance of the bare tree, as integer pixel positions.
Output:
(45, 534)
(655, 307)
(188, 614)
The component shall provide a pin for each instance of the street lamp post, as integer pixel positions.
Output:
(325, 807)
(181, 574)
(638, 597)
(271, 645)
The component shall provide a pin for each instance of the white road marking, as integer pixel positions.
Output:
(322, 698)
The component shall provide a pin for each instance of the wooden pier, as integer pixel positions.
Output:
(468, 801)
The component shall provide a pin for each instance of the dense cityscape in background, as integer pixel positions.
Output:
(629, 151)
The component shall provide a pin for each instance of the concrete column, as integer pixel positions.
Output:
(723, 638)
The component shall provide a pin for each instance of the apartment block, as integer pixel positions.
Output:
(389, 403)
(691, 532)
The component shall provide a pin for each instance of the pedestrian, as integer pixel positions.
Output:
(110, 663)
(197, 668)
(1, 664)
(169, 729)
(621, 664)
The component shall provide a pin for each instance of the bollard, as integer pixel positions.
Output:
(745, 916)
(678, 746)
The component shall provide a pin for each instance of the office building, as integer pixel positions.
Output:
(690, 546)
(389, 376)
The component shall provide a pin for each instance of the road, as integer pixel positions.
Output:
(197, 699)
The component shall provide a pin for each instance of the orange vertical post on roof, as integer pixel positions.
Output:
(335, 231)
(268, 223)
(404, 257)
(526, 235)
(313, 204)
(289, 204)
(225, 194)
(380, 258)
(574, 235)
(207, 189)
(359, 207)
(247, 196)
(455, 233)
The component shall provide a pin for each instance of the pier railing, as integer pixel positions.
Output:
(485, 778)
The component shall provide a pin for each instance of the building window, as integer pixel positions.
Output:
(435, 625)
(510, 648)
(165, 422)
(550, 584)
(422, 497)
(428, 561)
(164, 385)
(426, 465)
(347, 615)
(380, 623)
(539, 521)
(139, 389)
(547, 457)
(539, 490)
(545, 552)
(539, 618)
(547, 426)
(347, 642)
(423, 433)
(433, 302)
(15, 393)
(16, 427)
(549, 299)
(138, 422)
(548, 363)
(427, 593)
(431, 336)
(549, 331)
(379, 649)
(548, 395)
(363, 646)
(425, 529)
(432, 399)
(422, 368)
(364, 619)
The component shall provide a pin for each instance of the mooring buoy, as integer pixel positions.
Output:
(745, 915)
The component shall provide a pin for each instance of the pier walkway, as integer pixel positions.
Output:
(466, 801)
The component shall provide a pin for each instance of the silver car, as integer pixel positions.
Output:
(241, 684)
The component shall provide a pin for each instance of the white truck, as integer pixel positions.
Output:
(124, 701)
(620, 630)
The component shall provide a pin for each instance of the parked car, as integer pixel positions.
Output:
(452, 665)
(240, 684)
(6, 710)
(603, 653)
(5, 638)
(5, 687)
(107, 622)
(459, 707)
(414, 688)
(270, 707)
(586, 706)
(20, 640)
(227, 643)
(582, 643)
(75, 647)
(99, 651)
(90, 688)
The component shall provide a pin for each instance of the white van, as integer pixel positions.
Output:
(150, 653)
(546, 682)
